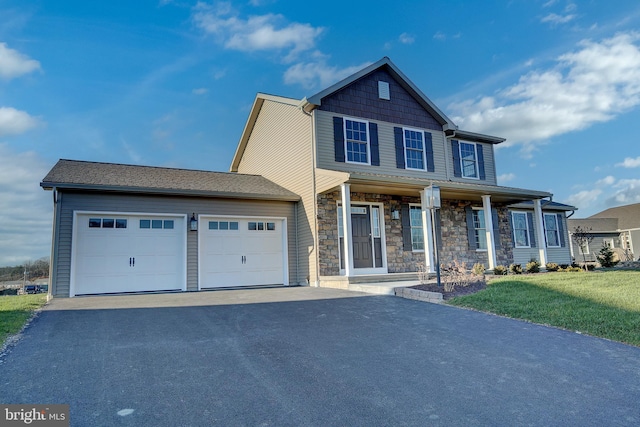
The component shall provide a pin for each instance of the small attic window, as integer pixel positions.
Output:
(383, 90)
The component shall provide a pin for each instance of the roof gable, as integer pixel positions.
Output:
(73, 174)
(628, 216)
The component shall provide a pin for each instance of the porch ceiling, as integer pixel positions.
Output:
(403, 186)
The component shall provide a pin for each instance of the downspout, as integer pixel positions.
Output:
(316, 279)
(53, 258)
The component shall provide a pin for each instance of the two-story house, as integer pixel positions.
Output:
(323, 191)
(364, 154)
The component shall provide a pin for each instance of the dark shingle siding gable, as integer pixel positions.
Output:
(360, 99)
(119, 177)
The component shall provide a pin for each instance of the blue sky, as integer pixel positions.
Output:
(171, 82)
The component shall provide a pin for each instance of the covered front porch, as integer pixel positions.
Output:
(390, 233)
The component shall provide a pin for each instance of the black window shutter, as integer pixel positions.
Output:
(428, 145)
(373, 140)
(532, 231)
(397, 134)
(496, 228)
(406, 228)
(513, 233)
(561, 229)
(471, 231)
(338, 139)
(481, 161)
(457, 167)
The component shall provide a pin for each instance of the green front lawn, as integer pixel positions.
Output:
(602, 303)
(15, 310)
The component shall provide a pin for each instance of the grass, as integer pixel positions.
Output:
(15, 310)
(605, 304)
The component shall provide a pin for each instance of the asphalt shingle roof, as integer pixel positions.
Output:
(628, 216)
(148, 179)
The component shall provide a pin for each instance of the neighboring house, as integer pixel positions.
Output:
(618, 228)
(325, 190)
(363, 154)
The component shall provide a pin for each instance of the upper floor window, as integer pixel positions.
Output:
(414, 149)
(356, 141)
(469, 159)
(552, 231)
(480, 228)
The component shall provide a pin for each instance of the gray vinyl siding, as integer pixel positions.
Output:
(130, 203)
(594, 246)
(280, 149)
(560, 255)
(489, 164)
(386, 141)
(635, 243)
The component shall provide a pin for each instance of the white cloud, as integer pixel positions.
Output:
(608, 180)
(506, 177)
(591, 85)
(25, 209)
(256, 33)
(14, 122)
(440, 36)
(14, 64)
(200, 91)
(318, 73)
(628, 191)
(630, 162)
(406, 38)
(583, 199)
(555, 19)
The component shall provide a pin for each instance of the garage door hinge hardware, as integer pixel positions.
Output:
(244, 259)
(132, 262)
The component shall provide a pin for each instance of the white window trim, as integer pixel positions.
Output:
(586, 245)
(424, 243)
(557, 230)
(475, 151)
(424, 149)
(513, 229)
(485, 229)
(346, 152)
(609, 241)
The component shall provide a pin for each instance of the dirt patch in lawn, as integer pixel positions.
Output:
(472, 288)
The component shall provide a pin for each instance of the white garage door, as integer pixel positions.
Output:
(241, 252)
(128, 253)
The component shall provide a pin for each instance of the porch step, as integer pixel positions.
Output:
(381, 284)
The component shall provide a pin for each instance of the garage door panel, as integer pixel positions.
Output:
(130, 258)
(250, 255)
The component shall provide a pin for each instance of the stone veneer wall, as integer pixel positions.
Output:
(455, 244)
(455, 241)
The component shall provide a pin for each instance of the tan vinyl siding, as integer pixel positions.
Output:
(328, 180)
(279, 148)
(129, 203)
(386, 142)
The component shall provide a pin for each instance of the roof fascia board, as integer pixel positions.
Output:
(475, 137)
(167, 191)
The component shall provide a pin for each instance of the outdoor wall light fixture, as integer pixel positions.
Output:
(395, 214)
(193, 223)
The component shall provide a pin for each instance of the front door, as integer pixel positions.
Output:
(361, 232)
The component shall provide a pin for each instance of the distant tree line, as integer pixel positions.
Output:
(34, 270)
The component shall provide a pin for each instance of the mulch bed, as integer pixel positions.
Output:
(472, 288)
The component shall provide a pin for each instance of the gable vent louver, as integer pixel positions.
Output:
(383, 90)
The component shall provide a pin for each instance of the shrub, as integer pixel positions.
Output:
(478, 269)
(606, 257)
(564, 266)
(500, 270)
(515, 268)
(552, 266)
(533, 266)
(590, 267)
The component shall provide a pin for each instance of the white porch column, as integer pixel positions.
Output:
(347, 250)
(540, 237)
(427, 232)
(488, 223)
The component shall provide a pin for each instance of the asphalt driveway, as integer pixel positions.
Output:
(308, 356)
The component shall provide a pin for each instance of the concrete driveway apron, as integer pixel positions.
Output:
(309, 356)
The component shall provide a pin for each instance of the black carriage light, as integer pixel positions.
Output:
(193, 223)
